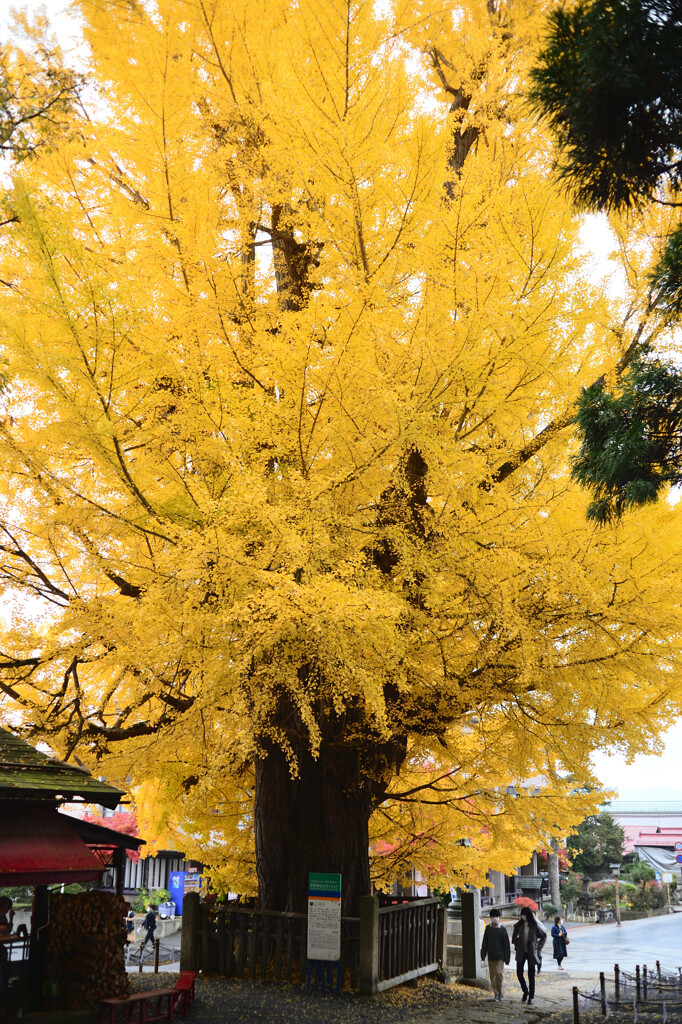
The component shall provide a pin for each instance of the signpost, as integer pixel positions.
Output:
(324, 916)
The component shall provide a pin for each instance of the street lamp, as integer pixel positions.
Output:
(615, 870)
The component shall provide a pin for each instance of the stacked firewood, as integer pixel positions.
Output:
(85, 945)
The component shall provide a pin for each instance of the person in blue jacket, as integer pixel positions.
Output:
(559, 938)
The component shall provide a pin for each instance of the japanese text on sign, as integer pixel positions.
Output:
(324, 916)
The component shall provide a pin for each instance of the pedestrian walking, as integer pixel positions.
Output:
(496, 947)
(560, 940)
(130, 930)
(149, 925)
(528, 938)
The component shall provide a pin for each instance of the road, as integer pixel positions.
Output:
(599, 947)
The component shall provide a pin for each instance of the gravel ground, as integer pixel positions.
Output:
(223, 1001)
(227, 1001)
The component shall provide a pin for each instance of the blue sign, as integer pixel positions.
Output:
(176, 884)
(679, 858)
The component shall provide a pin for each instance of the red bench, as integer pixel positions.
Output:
(140, 1008)
(144, 1007)
(184, 986)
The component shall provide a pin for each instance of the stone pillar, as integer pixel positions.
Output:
(472, 973)
(189, 938)
(369, 945)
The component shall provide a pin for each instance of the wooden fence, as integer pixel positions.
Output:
(408, 941)
(245, 943)
(385, 946)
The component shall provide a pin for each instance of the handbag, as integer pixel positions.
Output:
(566, 939)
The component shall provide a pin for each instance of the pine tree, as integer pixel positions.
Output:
(609, 84)
(598, 841)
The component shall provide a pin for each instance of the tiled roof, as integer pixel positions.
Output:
(643, 807)
(27, 774)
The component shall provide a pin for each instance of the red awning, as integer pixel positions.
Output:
(38, 846)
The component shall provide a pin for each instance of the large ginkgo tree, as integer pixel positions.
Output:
(293, 325)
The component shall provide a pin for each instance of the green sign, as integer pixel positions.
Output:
(321, 884)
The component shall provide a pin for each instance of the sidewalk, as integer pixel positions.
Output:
(553, 998)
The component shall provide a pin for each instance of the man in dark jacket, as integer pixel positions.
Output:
(496, 947)
(149, 924)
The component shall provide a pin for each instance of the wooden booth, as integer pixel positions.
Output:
(74, 952)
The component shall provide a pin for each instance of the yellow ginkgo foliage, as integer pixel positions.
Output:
(293, 324)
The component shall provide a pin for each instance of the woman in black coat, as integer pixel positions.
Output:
(559, 939)
(528, 938)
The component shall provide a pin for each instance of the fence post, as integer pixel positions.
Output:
(157, 943)
(602, 992)
(616, 981)
(442, 945)
(638, 988)
(369, 945)
(189, 938)
(576, 1006)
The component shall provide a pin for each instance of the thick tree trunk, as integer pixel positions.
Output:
(553, 870)
(315, 822)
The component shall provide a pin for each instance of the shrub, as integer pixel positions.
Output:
(649, 897)
(549, 910)
(605, 892)
(526, 901)
(156, 896)
(640, 872)
(21, 895)
(571, 888)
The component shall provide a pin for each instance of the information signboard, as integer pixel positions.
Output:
(667, 877)
(324, 916)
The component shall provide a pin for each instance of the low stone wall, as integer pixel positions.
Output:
(639, 915)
